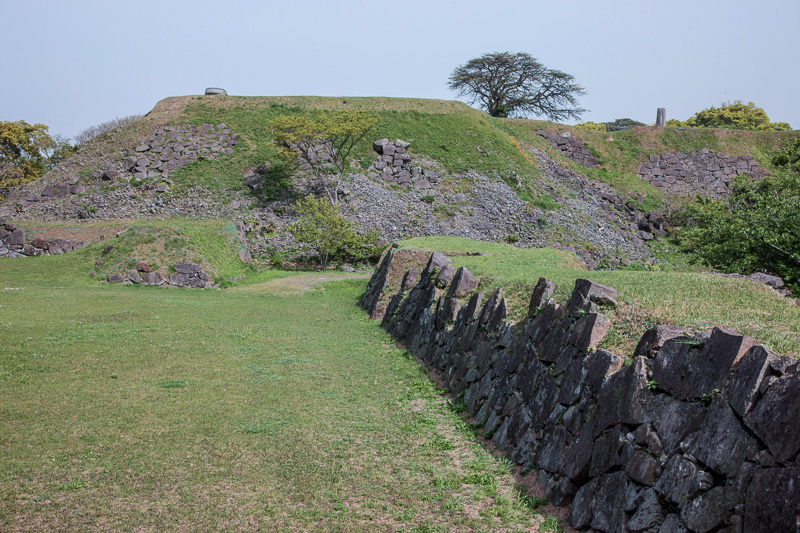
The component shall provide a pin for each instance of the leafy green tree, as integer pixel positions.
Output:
(322, 227)
(622, 124)
(592, 126)
(736, 115)
(756, 228)
(323, 141)
(788, 157)
(507, 84)
(23, 152)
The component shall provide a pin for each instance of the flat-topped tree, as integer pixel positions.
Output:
(507, 84)
(324, 141)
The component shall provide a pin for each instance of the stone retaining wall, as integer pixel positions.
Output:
(703, 172)
(690, 433)
(14, 243)
(570, 146)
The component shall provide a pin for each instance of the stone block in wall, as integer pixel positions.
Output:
(445, 276)
(641, 467)
(706, 512)
(589, 331)
(649, 512)
(623, 397)
(679, 481)
(770, 418)
(550, 453)
(742, 388)
(542, 296)
(773, 501)
(608, 513)
(688, 369)
(721, 443)
(588, 291)
(677, 421)
(578, 456)
(463, 283)
(580, 512)
(654, 338)
(609, 451)
(597, 366)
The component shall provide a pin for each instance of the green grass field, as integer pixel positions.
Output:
(260, 407)
(693, 300)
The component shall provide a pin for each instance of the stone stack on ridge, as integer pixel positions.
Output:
(702, 172)
(570, 146)
(395, 165)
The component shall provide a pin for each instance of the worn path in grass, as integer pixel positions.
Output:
(254, 408)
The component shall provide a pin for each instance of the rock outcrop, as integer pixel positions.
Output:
(14, 243)
(690, 433)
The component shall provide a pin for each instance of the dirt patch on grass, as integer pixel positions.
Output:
(304, 282)
(88, 233)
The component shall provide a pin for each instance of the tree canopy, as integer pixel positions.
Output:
(736, 115)
(322, 227)
(507, 84)
(323, 141)
(23, 152)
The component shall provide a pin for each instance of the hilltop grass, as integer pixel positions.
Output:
(458, 137)
(125, 407)
(693, 300)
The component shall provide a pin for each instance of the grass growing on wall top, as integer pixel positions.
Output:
(690, 299)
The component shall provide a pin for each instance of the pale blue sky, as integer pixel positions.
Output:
(74, 64)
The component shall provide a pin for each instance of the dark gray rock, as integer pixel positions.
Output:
(542, 296)
(134, 276)
(721, 443)
(649, 512)
(705, 512)
(463, 283)
(153, 278)
(609, 452)
(16, 238)
(589, 331)
(654, 338)
(179, 279)
(608, 513)
(115, 278)
(687, 369)
(743, 386)
(410, 279)
(677, 421)
(588, 291)
(598, 365)
(185, 267)
(551, 449)
(578, 457)
(769, 419)
(445, 276)
(672, 524)
(580, 512)
(111, 175)
(641, 467)
(678, 482)
(436, 262)
(773, 501)
(560, 492)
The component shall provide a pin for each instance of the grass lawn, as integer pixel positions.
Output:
(139, 408)
(690, 299)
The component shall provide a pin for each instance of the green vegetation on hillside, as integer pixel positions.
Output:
(621, 153)
(451, 133)
(128, 407)
(689, 299)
